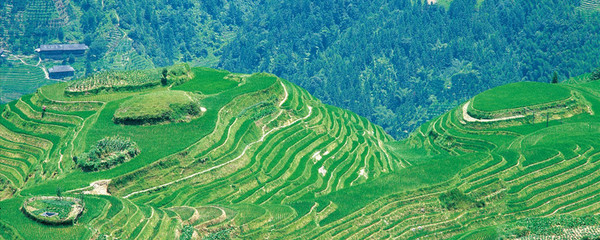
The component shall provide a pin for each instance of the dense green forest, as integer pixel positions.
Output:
(399, 63)
(396, 62)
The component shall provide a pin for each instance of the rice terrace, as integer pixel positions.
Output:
(198, 153)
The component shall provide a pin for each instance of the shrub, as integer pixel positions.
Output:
(455, 199)
(187, 232)
(108, 152)
(595, 75)
(219, 235)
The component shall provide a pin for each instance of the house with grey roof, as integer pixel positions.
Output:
(61, 50)
(61, 71)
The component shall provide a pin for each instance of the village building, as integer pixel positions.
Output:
(61, 50)
(61, 71)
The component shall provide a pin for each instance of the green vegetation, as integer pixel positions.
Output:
(107, 153)
(268, 160)
(565, 226)
(187, 232)
(114, 81)
(17, 79)
(158, 107)
(53, 210)
(220, 235)
(455, 199)
(208, 81)
(519, 95)
(595, 75)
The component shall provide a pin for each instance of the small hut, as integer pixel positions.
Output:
(61, 71)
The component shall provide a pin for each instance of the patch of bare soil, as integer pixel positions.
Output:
(99, 187)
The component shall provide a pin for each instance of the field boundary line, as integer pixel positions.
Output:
(469, 118)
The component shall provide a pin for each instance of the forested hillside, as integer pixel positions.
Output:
(399, 63)
(155, 32)
(396, 62)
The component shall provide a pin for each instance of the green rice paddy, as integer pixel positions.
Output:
(267, 159)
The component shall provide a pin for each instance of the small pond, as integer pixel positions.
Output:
(49, 214)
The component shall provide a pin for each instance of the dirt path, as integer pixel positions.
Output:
(59, 161)
(286, 94)
(37, 65)
(469, 118)
(186, 94)
(202, 109)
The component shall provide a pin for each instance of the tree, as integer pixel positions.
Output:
(58, 191)
(163, 79)
(595, 75)
(89, 70)
(554, 77)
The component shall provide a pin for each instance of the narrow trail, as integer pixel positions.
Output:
(285, 94)
(232, 160)
(37, 65)
(186, 94)
(469, 118)
(59, 161)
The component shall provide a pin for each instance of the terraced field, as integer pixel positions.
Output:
(590, 5)
(267, 160)
(20, 79)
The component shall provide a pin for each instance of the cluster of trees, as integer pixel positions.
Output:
(595, 75)
(107, 152)
(172, 30)
(24, 24)
(456, 199)
(400, 62)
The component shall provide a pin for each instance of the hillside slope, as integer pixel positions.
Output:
(254, 156)
(259, 144)
(397, 63)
